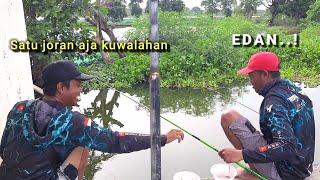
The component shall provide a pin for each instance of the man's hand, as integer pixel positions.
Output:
(230, 155)
(173, 135)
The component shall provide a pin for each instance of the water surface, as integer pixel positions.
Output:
(198, 111)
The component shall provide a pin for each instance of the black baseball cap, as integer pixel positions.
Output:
(62, 70)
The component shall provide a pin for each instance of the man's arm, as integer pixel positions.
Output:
(86, 133)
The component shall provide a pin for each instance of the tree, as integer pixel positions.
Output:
(100, 20)
(171, 5)
(135, 8)
(275, 8)
(168, 5)
(211, 6)
(313, 14)
(215, 6)
(164, 5)
(65, 20)
(226, 6)
(196, 10)
(249, 7)
(177, 5)
(117, 10)
(296, 9)
(56, 20)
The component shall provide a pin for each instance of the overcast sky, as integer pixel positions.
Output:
(192, 3)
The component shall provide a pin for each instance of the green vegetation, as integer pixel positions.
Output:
(303, 63)
(314, 12)
(202, 54)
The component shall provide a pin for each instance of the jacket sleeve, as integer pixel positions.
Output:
(278, 115)
(6, 131)
(4, 139)
(86, 133)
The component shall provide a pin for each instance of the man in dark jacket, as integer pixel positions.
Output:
(45, 139)
(285, 149)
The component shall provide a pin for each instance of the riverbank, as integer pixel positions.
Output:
(202, 54)
(110, 75)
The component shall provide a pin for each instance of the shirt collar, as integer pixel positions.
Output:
(265, 89)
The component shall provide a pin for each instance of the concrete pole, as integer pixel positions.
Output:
(15, 70)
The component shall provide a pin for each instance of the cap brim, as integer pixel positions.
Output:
(245, 71)
(84, 77)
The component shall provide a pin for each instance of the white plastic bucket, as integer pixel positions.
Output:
(223, 172)
(186, 175)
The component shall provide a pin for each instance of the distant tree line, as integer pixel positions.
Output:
(296, 9)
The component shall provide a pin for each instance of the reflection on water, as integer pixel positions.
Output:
(103, 110)
(194, 102)
(198, 111)
(94, 163)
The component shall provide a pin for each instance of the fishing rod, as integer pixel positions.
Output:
(248, 107)
(202, 141)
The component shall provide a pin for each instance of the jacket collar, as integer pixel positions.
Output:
(279, 81)
(265, 89)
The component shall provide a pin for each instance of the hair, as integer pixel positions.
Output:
(273, 74)
(51, 90)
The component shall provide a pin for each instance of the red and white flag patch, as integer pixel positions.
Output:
(87, 122)
(298, 106)
(263, 148)
(21, 107)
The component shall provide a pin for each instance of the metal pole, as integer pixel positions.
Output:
(154, 86)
